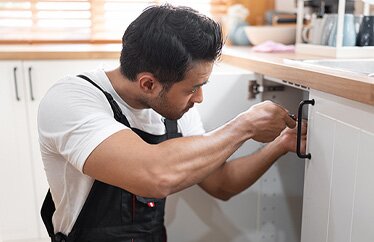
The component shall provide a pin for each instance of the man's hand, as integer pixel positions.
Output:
(287, 139)
(237, 175)
(265, 121)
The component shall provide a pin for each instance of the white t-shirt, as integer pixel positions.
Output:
(74, 118)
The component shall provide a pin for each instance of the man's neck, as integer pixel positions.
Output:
(125, 88)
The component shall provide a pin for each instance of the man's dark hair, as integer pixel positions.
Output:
(165, 40)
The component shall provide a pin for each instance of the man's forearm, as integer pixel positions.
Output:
(189, 160)
(237, 175)
(126, 161)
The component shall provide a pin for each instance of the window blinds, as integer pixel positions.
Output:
(80, 21)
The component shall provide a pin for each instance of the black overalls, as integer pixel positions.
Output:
(111, 213)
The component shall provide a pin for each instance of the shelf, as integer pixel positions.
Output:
(336, 52)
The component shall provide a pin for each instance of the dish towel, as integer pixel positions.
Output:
(270, 46)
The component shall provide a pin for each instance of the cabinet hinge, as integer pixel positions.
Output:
(254, 88)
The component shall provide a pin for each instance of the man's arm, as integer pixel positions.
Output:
(126, 161)
(237, 175)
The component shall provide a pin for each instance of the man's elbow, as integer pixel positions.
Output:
(163, 185)
(221, 194)
(224, 196)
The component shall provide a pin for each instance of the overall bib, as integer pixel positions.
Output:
(111, 213)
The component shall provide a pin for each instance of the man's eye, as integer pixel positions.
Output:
(194, 89)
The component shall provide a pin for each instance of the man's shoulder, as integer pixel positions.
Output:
(71, 97)
(71, 86)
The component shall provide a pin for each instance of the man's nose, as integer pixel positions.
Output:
(198, 96)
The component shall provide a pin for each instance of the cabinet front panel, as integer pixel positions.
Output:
(17, 204)
(345, 150)
(318, 178)
(23, 183)
(363, 210)
(338, 194)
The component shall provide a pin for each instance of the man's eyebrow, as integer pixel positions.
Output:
(200, 84)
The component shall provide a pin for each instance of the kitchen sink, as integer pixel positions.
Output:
(358, 66)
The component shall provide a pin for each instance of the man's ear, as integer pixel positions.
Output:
(148, 83)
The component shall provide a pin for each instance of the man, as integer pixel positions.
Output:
(111, 141)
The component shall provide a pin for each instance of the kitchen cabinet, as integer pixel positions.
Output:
(338, 200)
(18, 214)
(268, 211)
(337, 197)
(23, 183)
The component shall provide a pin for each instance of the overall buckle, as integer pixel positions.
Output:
(59, 237)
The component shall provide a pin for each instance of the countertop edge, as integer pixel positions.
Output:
(50, 55)
(350, 87)
(60, 52)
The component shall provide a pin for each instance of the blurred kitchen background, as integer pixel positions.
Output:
(103, 21)
(269, 211)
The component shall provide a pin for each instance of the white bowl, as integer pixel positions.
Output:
(284, 34)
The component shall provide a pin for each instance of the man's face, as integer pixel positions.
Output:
(182, 96)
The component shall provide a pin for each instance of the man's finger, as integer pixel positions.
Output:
(293, 116)
(290, 121)
(304, 127)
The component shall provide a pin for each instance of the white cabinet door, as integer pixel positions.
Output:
(317, 178)
(23, 183)
(363, 209)
(17, 202)
(338, 205)
(39, 77)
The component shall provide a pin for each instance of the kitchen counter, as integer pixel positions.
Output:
(60, 52)
(344, 84)
(357, 87)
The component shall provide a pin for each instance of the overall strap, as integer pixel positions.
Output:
(170, 125)
(113, 104)
(48, 208)
(100, 189)
(47, 211)
(171, 129)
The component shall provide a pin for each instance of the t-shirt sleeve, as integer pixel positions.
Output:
(73, 119)
(191, 124)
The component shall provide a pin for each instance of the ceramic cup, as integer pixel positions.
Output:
(358, 20)
(328, 23)
(349, 32)
(365, 35)
(312, 33)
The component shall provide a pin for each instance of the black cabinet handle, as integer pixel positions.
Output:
(299, 120)
(31, 89)
(16, 83)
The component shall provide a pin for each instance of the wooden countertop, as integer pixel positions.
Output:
(345, 84)
(60, 52)
(357, 87)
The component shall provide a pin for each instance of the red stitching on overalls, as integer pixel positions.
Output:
(133, 208)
